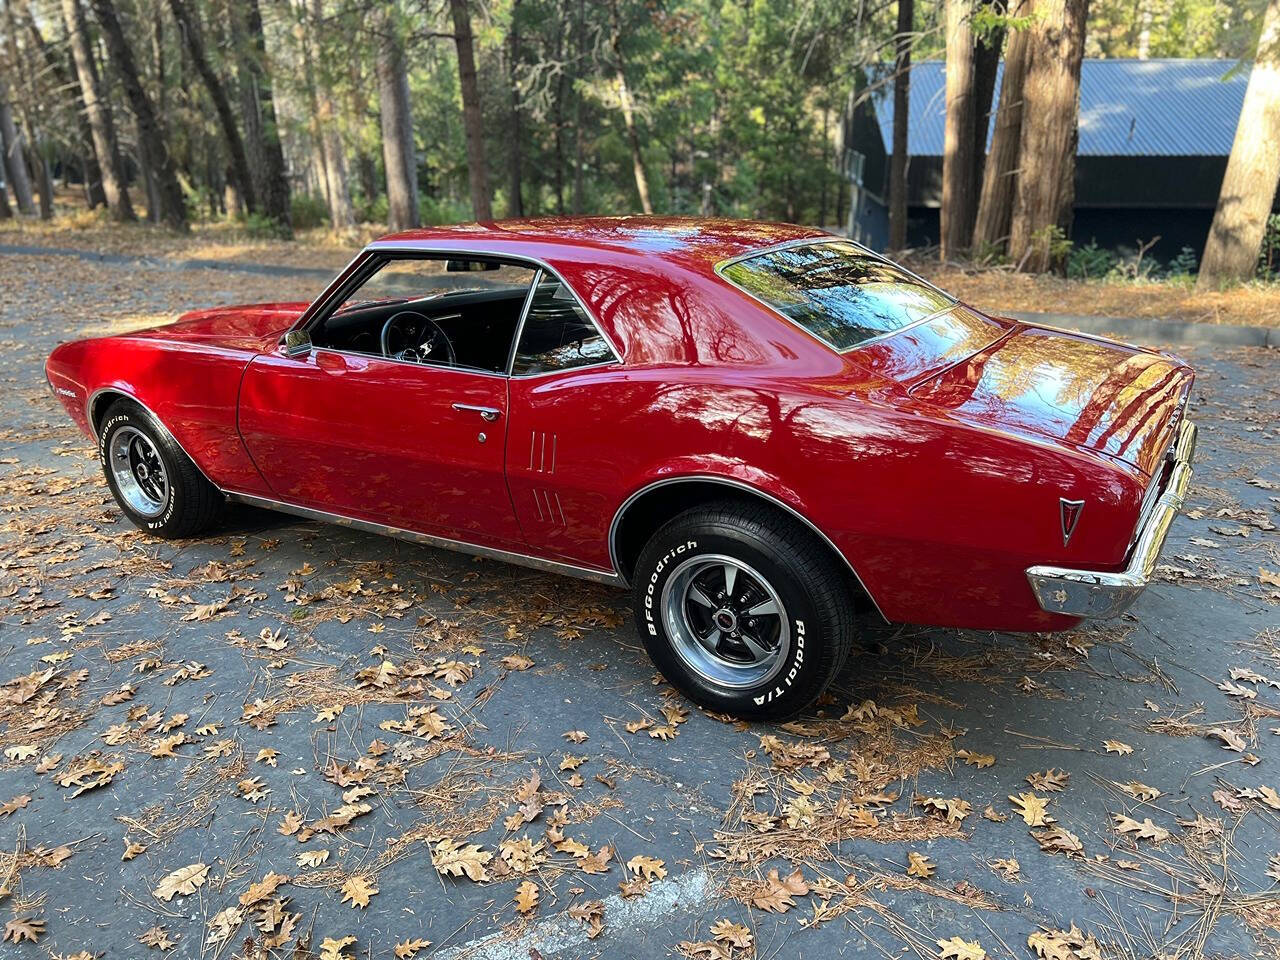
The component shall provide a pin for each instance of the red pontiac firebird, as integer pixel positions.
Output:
(759, 428)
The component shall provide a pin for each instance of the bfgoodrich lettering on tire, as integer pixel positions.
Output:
(155, 483)
(743, 609)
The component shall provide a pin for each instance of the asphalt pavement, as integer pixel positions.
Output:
(427, 747)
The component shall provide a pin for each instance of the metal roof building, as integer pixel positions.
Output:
(1154, 141)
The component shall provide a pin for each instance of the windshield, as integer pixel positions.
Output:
(837, 291)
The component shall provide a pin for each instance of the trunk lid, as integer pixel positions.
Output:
(1086, 392)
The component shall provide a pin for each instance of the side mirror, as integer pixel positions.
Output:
(296, 343)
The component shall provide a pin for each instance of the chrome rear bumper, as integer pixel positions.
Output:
(1092, 593)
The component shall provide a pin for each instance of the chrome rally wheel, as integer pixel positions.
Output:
(726, 621)
(156, 484)
(139, 473)
(743, 609)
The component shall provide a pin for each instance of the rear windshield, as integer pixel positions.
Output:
(837, 291)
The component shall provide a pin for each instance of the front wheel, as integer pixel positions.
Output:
(153, 480)
(743, 609)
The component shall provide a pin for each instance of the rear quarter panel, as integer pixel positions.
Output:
(939, 518)
(191, 387)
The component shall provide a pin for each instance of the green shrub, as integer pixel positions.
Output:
(261, 227)
(1090, 262)
(1183, 265)
(443, 210)
(1269, 255)
(308, 211)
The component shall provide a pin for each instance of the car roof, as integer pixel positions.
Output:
(690, 241)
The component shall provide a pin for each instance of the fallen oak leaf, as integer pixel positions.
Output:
(358, 890)
(1050, 781)
(1230, 739)
(407, 949)
(1032, 808)
(650, 868)
(1146, 830)
(20, 929)
(454, 859)
(979, 760)
(957, 949)
(14, 805)
(733, 934)
(1117, 746)
(182, 881)
(331, 949)
(526, 897)
(920, 866)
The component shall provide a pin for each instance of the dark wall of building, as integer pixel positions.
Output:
(1120, 228)
(1114, 228)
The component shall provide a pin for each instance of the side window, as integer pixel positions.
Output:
(557, 333)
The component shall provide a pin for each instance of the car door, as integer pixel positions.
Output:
(410, 444)
(566, 400)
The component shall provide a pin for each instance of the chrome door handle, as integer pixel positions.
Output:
(488, 413)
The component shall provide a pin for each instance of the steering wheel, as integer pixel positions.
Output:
(434, 339)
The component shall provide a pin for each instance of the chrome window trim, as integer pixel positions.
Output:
(608, 578)
(93, 430)
(738, 485)
(524, 315)
(813, 242)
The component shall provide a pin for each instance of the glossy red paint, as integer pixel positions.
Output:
(933, 459)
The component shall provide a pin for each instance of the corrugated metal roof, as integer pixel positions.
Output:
(1128, 108)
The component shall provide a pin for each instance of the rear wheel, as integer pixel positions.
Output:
(743, 609)
(153, 480)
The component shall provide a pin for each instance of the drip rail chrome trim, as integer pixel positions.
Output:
(355, 273)
(1094, 593)
(739, 485)
(605, 577)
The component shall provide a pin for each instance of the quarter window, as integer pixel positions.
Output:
(557, 333)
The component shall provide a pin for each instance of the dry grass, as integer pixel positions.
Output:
(999, 290)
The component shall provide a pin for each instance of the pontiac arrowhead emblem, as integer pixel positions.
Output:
(1070, 510)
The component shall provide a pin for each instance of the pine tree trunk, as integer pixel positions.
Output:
(472, 118)
(901, 109)
(152, 141)
(579, 157)
(958, 161)
(557, 119)
(515, 204)
(101, 126)
(1051, 107)
(272, 184)
(189, 27)
(15, 155)
(65, 79)
(1000, 172)
(398, 155)
(986, 64)
(1249, 185)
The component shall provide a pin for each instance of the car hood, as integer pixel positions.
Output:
(253, 326)
(1087, 392)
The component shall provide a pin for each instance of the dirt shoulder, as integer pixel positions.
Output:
(999, 291)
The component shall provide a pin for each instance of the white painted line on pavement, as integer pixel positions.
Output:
(561, 932)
